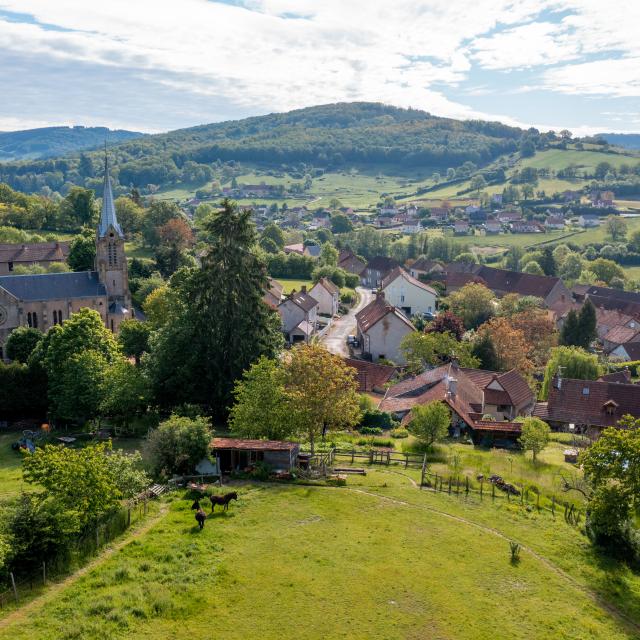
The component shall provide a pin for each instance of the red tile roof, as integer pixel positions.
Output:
(583, 402)
(371, 376)
(399, 272)
(34, 252)
(375, 311)
(623, 377)
(621, 334)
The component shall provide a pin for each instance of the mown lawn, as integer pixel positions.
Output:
(10, 466)
(309, 562)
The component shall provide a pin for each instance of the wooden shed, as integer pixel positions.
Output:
(236, 454)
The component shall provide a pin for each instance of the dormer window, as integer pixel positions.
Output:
(585, 391)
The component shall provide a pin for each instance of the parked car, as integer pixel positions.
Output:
(427, 315)
(352, 341)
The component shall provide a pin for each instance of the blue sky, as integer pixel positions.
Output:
(155, 65)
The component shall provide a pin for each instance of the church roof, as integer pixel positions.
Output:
(54, 286)
(108, 215)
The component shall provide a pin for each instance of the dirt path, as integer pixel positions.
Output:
(51, 592)
(621, 617)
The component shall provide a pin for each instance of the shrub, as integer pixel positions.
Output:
(399, 433)
(371, 431)
(376, 419)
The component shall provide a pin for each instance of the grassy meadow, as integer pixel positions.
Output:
(377, 559)
(10, 466)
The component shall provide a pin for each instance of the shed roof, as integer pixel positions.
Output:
(252, 445)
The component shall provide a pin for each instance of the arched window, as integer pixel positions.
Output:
(60, 316)
(29, 321)
(55, 317)
(35, 320)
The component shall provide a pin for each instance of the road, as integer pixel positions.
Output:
(335, 340)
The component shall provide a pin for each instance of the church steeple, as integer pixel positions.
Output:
(108, 215)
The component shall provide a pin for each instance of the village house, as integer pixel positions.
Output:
(328, 296)
(588, 221)
(483, 403)
(409, 294)
(554, 223)
(507, 217)
(438, 214)
(461, 227)
(492, 226)
(377, 270)
(273, 293)
(372, 377)
(588, 405)
(299, 314)
(621, 334)
(602, 199)
(503, 281)
(526, 226)
(350, 262)
(25, 254)
(44, 300)
(321, 219)
(424, 267)
(380, 330)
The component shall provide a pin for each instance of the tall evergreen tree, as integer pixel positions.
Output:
(219, 325)
(587, 323)
(485, 351)
(569, 331)
(548, 262)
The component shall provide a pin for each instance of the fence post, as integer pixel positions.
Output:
(44, 572)
(522, 494)
(13, 584)
(449, 485)
(406, 460)
(553, 505)
(353, 454)
(493, 491)
(424, 467)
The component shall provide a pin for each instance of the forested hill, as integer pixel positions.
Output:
(626, 140)
(48, 142)
(325, 136)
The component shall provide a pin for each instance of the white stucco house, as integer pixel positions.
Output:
(299, 315)
(328, 296)
(409, 294)
(381, 328)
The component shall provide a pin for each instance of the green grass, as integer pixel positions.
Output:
(10, 466)
(295, 561)
(560, 158)
(290, 284)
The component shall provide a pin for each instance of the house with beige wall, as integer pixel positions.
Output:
(408, 294)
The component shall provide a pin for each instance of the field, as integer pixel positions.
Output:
(379, 559)
(10, 462)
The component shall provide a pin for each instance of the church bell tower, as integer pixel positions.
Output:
(111, 262)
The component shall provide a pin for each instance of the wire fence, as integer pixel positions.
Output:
(19, 586)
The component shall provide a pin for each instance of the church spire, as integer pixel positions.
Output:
(108, 216)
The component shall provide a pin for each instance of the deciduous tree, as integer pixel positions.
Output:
(21, 343)
(430, 422)
(433, 349)
(473, 303)
(576, 363)
(534, 436)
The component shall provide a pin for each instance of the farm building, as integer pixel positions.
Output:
(236, 454)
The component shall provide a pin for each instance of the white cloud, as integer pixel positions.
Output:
(268, 55)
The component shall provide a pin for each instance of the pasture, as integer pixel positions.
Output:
(378, 559)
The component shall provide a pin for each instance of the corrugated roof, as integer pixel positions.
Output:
(252, 445)
(54, 286)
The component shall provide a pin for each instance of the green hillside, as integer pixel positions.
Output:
(48, 142)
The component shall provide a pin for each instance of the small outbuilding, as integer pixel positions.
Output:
(236, 454)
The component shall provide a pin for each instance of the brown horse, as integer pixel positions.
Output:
(201, 516)
(196, 504)
(222, 500)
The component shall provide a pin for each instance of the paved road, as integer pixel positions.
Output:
(335, 340)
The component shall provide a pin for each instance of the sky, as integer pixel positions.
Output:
(157, 65)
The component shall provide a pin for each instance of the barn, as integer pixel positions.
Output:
(236, 454)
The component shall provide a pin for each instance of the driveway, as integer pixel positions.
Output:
(335, 339)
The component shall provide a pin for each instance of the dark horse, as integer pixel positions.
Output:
(201, 516)
(196, 504)
(223, 501)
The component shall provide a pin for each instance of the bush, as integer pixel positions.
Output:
(371, 431)
(399, 433)
(377, 419)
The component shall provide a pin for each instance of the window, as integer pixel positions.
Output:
(60, 316)
(402, 297)
(585, 391)
(55, 317)
(112, 254)
(10, 266)
(34, 315)
(29, 320)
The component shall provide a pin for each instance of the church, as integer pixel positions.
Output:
(43, 300)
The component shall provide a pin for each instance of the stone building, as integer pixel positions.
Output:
(43, 300)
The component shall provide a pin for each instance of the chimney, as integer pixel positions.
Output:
(380, 294)
(452, 385)
(558, 379)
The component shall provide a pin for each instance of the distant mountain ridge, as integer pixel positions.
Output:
(49, 142)
(626, 140)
